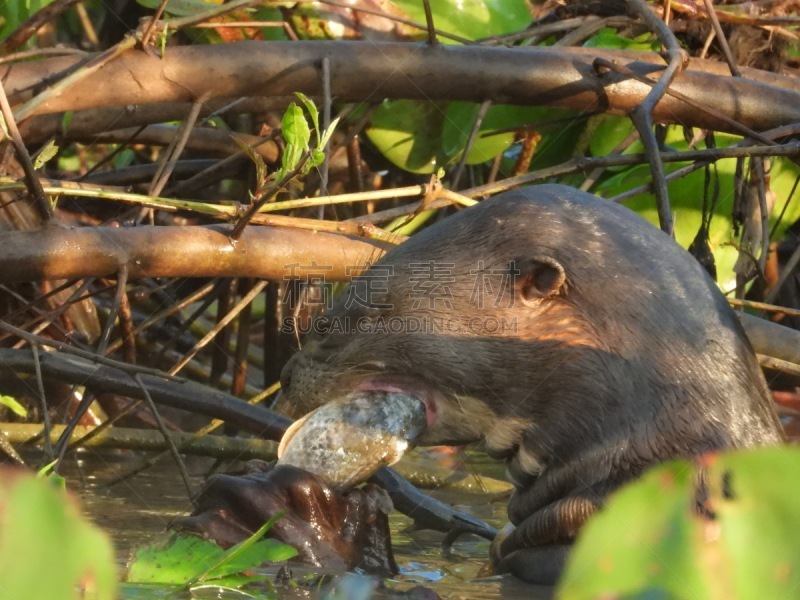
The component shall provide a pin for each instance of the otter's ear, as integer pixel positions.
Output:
(537, 278)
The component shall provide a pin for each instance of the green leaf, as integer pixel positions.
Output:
(66, 120)
(230, 561)
(639, 542)
(317, 158)
(458, 123)
(472, 19)
(754, 496)
(45, 154)
(496, 132)
(408, 133)
(326, 135)
(179, 559)
(47, 549)
(313, 112)
(686, 198)
(297, 135)
(609, 38)
(607, 132)
(13, 406)
(180, 8)
(649, 542)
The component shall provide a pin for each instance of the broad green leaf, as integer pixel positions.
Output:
(472, 19)
(754, 496)
(408, 133)
(316, 20)
(182, 8)
(609, 38)
(648, 542)
(179, 559)
(227, 563)
(640, 541)
(125, 158)
(460, 116)
(14, 406)
(47, 549)
(458, 122)
(606, 133)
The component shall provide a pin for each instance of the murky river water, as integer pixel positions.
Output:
(137, 511)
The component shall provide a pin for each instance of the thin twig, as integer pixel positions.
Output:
(732, 123)
(168, 311)
(175, 149)
(432, 41)
(473, 135)
(122, 281)
(257, 288)
(726, 49)
(48, 427)
(642, 115)
(757, 171)
(326, 122)
(61, 86)
(36, 21)
(764, 306)
(266, 196)
(100, 360)
(581, 163)
(218, 446)
(151, 26)
(34, 185)
(167, 437)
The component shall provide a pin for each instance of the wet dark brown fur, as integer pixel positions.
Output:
(577, 341)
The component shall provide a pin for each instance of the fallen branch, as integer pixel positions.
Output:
(262, 252)
(218, 446)
(359, 71)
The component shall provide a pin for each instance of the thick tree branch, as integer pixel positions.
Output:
(262, 252)
(360, 71)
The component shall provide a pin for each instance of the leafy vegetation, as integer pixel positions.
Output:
(649, 542)
(47, 548)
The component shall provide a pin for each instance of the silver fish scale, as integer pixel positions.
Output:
(347, 440)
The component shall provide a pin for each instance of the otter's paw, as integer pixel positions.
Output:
(542, 565)
(329, 529)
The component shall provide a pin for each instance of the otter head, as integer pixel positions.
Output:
(549, 323)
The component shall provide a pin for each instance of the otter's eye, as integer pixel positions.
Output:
(373, 311)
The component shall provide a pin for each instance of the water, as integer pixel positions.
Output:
(137, 511)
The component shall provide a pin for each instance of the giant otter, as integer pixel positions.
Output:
(578, 342)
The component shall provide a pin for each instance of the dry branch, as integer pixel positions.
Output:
(262, 252)
(219, 446)
(370, 71)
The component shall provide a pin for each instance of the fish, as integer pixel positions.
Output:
(346, 440)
